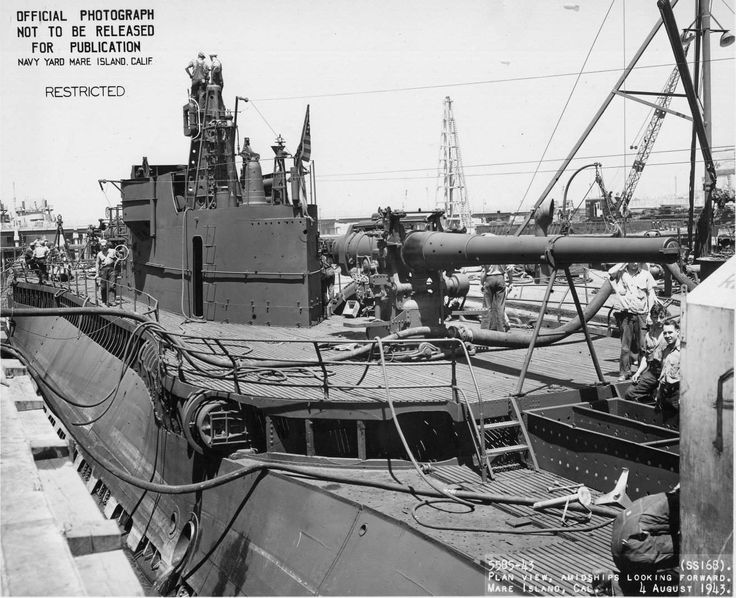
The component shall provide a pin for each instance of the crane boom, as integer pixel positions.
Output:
(621, 205)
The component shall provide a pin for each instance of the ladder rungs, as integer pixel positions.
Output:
(503, 450)
(512, 423)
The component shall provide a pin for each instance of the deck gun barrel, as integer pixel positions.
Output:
(442, 251)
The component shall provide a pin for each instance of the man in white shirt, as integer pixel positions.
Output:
(105, 272)
(39, 258)
(634, 287)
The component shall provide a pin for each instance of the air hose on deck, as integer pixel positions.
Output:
(461, 496)
(481, 497)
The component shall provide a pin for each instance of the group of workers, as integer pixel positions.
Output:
(202, 73)
(38, 259)
(650, 341)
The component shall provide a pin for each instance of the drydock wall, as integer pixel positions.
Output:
(54, 540)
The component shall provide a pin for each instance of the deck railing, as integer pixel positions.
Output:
(79, 278)
(329, 369)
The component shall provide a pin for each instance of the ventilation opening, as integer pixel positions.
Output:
(183, 543)
(197, 295)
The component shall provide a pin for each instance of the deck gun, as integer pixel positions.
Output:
(408, 265)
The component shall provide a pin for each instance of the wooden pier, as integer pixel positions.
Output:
(54, 538)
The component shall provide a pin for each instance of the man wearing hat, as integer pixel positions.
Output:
(216, 71)
(199, 72)
(38, 261)
(105, 272)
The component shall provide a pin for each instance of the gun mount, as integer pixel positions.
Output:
(408, 274)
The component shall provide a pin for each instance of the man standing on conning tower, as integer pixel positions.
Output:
(216, 71)
(198, 71)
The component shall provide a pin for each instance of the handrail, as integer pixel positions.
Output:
(480, 414)
(418, 469)
(79, 283)
(241, 364)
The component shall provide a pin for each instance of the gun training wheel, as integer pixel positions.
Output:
(122, 252)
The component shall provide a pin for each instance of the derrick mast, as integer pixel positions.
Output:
(451, 193)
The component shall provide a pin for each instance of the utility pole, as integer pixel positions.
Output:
(702, 243)
(451, 195)
(705, 221)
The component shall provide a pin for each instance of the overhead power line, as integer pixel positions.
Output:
(720, 148)
(482, 174)
(469, 83)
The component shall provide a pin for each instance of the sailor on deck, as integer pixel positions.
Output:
(668, 391)
(634, 287)
(39, 258)
(105, 272)
(496, 280)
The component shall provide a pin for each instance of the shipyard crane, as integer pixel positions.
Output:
(618, 208)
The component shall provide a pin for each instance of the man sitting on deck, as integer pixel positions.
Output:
(668, 391)
(646, 378)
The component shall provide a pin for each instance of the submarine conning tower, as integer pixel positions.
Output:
(212, 178)
(209, 244)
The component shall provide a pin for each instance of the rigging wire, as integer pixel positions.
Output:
(564, 109)
(719, 148)
(489, 174)
(469, 83)
(322, 176)
(268, 124)
(577, 207)
(623, 60)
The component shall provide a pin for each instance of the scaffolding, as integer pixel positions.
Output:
(451, 195)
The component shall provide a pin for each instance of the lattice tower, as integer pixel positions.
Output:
(451, 195)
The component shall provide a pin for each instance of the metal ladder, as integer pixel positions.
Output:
(198, 180)
(515, 421)
(477, 426)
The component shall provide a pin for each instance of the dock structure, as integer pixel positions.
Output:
(54, 539)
